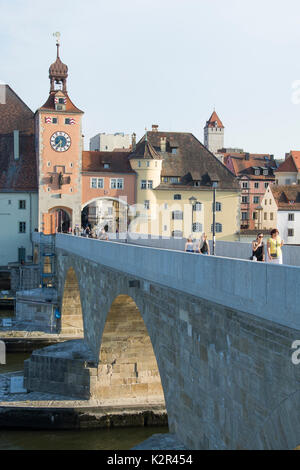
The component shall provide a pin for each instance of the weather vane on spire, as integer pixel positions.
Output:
(57, 36)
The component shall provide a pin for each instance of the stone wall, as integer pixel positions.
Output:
(227, 375)
(24, 277)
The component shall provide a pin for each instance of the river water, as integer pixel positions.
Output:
(96, 439)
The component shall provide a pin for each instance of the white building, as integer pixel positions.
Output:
(214, 134)
(281, 210)
(289, 171)
(109, 142)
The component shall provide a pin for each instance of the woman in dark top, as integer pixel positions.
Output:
(258, 248)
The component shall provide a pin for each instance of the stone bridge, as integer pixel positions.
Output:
(210, 337)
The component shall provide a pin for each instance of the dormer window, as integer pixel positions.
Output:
(266, 172)
(197, 183)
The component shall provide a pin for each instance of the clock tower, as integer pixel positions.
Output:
(59, 146)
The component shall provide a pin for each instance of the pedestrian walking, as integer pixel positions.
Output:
(258, 248)
(274, 246)
(204, 248)
(189, 246)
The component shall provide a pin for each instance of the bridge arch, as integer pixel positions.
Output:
(128, 369)
(71, 321)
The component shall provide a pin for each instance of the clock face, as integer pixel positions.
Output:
(60, 141)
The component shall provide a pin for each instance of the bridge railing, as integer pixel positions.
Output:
(265, 290)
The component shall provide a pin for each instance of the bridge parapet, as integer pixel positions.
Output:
(267, 291)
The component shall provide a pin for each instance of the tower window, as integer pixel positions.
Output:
(61, 100)
(67, 121)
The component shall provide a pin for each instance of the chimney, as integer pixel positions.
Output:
(133, 141)
(16, 145)
(247, 156)
(154, 127)
(163, 144)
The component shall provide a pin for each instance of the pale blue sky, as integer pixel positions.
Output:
(137, 62)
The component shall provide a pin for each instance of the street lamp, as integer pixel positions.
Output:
(193, 201)
(214, 185)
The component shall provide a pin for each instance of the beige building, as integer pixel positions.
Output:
(176, 180)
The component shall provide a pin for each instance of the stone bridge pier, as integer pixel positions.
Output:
(226, 376)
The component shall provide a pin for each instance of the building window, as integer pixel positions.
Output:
(139, 164)
(177, 197)
(271, 216)
(166, 205)
(71, 165)
(245, 185)
(147, 204)
(48, 164)
(177, 215)
(291, 217)
(109, 211)
(218, 207)
(288, 181)
(266, 202)
(67, 120)
(61, 100)
(117, 183)
(177, 234)
(265, 216)
(197, 227)
(143, 184)
(148, 164)
(244, 199)
(270, 202)
(256, 199)
(22, 227)
(290, 232)
(71, 190)
(97, 183)
(150, 184)
(9, 202)
(197, 184)
(257, 172)
(165, 228)
(266, 185)
(174, 179)
(174, 151)
(164, 179)
(54, 120)
(106, 166)
(219, 228)
(245, 216)
(254, 216)
(256, 185)
(265, 172)
(22, 204)
(197, 207)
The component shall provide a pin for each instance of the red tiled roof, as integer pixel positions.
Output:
(240, 166)
(94, 162)
(50, 104)
(291, 164)
(214, 118)
(18, 175)
(287, 197)
(15, 114)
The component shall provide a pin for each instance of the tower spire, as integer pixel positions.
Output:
(58, 71)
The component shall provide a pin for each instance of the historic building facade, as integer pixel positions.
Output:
(255, 172)
(18, 179)
(176, 181)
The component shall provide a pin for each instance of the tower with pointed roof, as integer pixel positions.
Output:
(214, 134)
(59, 152)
